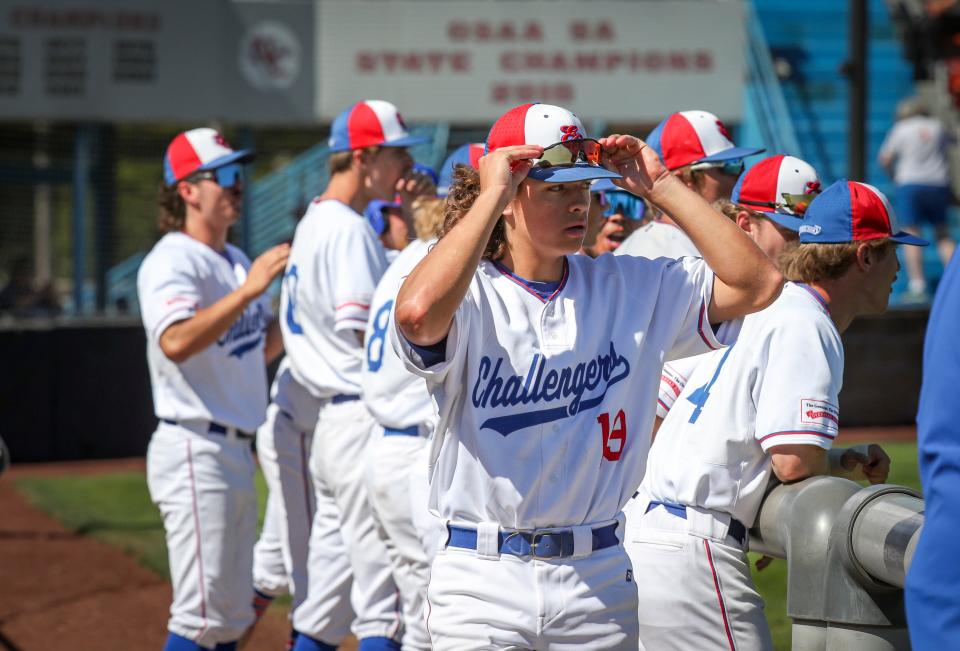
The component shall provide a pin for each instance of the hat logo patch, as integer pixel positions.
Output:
(570, 132)
(813, 229)
(722, 128)
(220, 140)
(812, 186)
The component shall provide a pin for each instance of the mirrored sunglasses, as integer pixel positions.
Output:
(226, 177)
(730, 167)
(571, 152)
(793, 204)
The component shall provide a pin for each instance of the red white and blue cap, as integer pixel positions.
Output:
(849, 211)
(767, 181)
(691, 137)
(373, 122)
(468, 154)
(199, 150)
(545, 125)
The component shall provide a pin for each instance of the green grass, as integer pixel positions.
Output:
(116, 508)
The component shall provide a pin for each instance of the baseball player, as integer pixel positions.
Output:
(768, 202)
(209, 334)
(621, 215)
(402, 407)
(766, 406)
(335, 264)
(535, 358)
(695, 146)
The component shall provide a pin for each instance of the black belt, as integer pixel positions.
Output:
(215, 428)
(539, 543)
(736, 529)
(343, 397)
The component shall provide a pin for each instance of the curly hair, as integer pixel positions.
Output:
(463, 192)
(817, 262)
(427, 216)
(173, 211)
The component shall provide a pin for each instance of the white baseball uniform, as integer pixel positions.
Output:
(545, 411)
(658, 240)
(777, 385)
(283, 449)
(334, 266)
(199, 463)
(402, 406)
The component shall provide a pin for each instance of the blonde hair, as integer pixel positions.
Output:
(341, 161)
(463, 192)
(428, 215)
(731, 210)
(828, 261)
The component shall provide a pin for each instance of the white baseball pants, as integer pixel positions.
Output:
(337, 463)
(283, 449)
(508, 602)
(390, 464)
(431, 530)
(695, 592)
(203, 486)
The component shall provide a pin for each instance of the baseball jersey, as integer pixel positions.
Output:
(396, 397)
(227, 382)
(658, 240)
(335, 263)
(546, 406)
(777, 385)
(918, 145)
(673, 378)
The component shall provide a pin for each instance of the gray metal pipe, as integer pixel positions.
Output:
(885, 534)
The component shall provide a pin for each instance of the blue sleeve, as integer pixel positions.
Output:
(932, 597)
(432, 354)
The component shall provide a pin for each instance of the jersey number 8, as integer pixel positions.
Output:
(378, 337)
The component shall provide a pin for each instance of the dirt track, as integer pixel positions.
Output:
(63, 591)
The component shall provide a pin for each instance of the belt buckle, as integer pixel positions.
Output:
(536, 539)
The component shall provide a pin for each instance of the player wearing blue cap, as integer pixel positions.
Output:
(335, 264)
(209, 333)
(535, 358)
(695, 146)
(766, 406)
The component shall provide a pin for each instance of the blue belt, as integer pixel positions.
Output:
(736, 529)
(413, 430)
(542, 543)
(340, 398)
(214, 428)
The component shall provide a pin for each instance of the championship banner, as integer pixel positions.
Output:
(467, 62)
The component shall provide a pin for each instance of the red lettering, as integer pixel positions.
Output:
(563, 92)
(411, 62)
(506, 32)
(533, 32)
(654, 61)
(587, 61)
(435, 61)
(614, 60)
(615, 438)
(457, 31)
(366, 61)
(703, 60)
(679, 60)
(578, 30)
(500, 93)
(482, 31)
(389, 60)
(508, 61)
(460, 61)
(558, 62)
(605, 31)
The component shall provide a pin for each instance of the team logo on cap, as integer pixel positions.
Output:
(722, 128)
(570, 132)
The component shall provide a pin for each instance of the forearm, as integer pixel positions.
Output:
(273, 342)
(184, 339)
(733, 257)
(432, 293)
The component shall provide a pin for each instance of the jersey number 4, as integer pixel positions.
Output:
(614, 438)
(378, 338)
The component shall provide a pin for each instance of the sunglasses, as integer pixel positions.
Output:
(622, 203)
(730, 168)
(571, 152)
(797, 204)
(227, 176)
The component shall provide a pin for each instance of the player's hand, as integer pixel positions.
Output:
(503, 170)
(411, 187)
(764, 562)
(265, 268)
(635, 161)
(873, 462)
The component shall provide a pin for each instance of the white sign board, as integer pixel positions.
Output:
(468, 62)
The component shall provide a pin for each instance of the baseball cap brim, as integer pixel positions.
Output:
(239, 156)
(731, 154)
(904, 237)
(789, 222)
(604, 185)
(572, 173)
